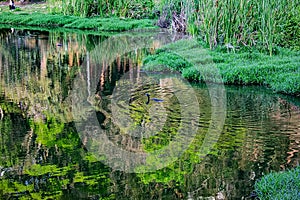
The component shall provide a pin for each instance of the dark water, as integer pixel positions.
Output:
(75, 123)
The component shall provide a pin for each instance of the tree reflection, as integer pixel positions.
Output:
(43, 156)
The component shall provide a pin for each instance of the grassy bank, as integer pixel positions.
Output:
(266, 24)
(280, 72)
(73, 22)
(251, 23)
(283, 186)
(137, 9)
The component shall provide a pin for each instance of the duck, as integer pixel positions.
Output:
(154, 99)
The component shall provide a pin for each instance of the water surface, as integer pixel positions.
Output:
(52, 84)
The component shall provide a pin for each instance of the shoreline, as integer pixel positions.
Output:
(44, 20)
(280, 72)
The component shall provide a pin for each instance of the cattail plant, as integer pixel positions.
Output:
(242, 22)
(263, 23)
(103, 8)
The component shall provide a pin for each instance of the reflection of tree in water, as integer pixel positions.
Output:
(38, 81)
(42, 155)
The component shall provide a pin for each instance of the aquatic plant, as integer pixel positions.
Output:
(279, 185)
(265, 24)
(279, 72)
(243, 23)
(239, 23)
(74, 22)
(121, 8)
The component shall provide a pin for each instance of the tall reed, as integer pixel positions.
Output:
(103, 8)
(239, 22)
(266, 23)
(243, 22)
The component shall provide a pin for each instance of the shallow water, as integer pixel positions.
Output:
(75, 123)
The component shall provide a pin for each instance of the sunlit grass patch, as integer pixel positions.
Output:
(280, 72)
(94, 23)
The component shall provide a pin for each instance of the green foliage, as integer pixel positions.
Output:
(12, 121)
(279, 186)
(265, 24)
(286, 82)
(289, 31)
(105, 8)
(95, 23)
(10, 187)
(169, 59)
(49, 181)
(38, 170)
(279, 72)
(109, 24)
(17, 9)
(47, 132)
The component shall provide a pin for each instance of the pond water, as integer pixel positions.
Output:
(75, 123)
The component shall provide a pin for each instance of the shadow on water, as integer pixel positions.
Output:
(43, 155)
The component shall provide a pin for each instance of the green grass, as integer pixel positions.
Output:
(267, 23)
(279, 186)
(137, 9)
(29, 8)
(280, 72)
(95, 23)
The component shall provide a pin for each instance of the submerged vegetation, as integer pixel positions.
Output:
(283, 186)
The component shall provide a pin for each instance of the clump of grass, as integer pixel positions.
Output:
(110, 24)
(104, 8)
(280, 185)
(286, 82)
(95, 23)
(281, 72)
(266, 24)
(166, 59)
